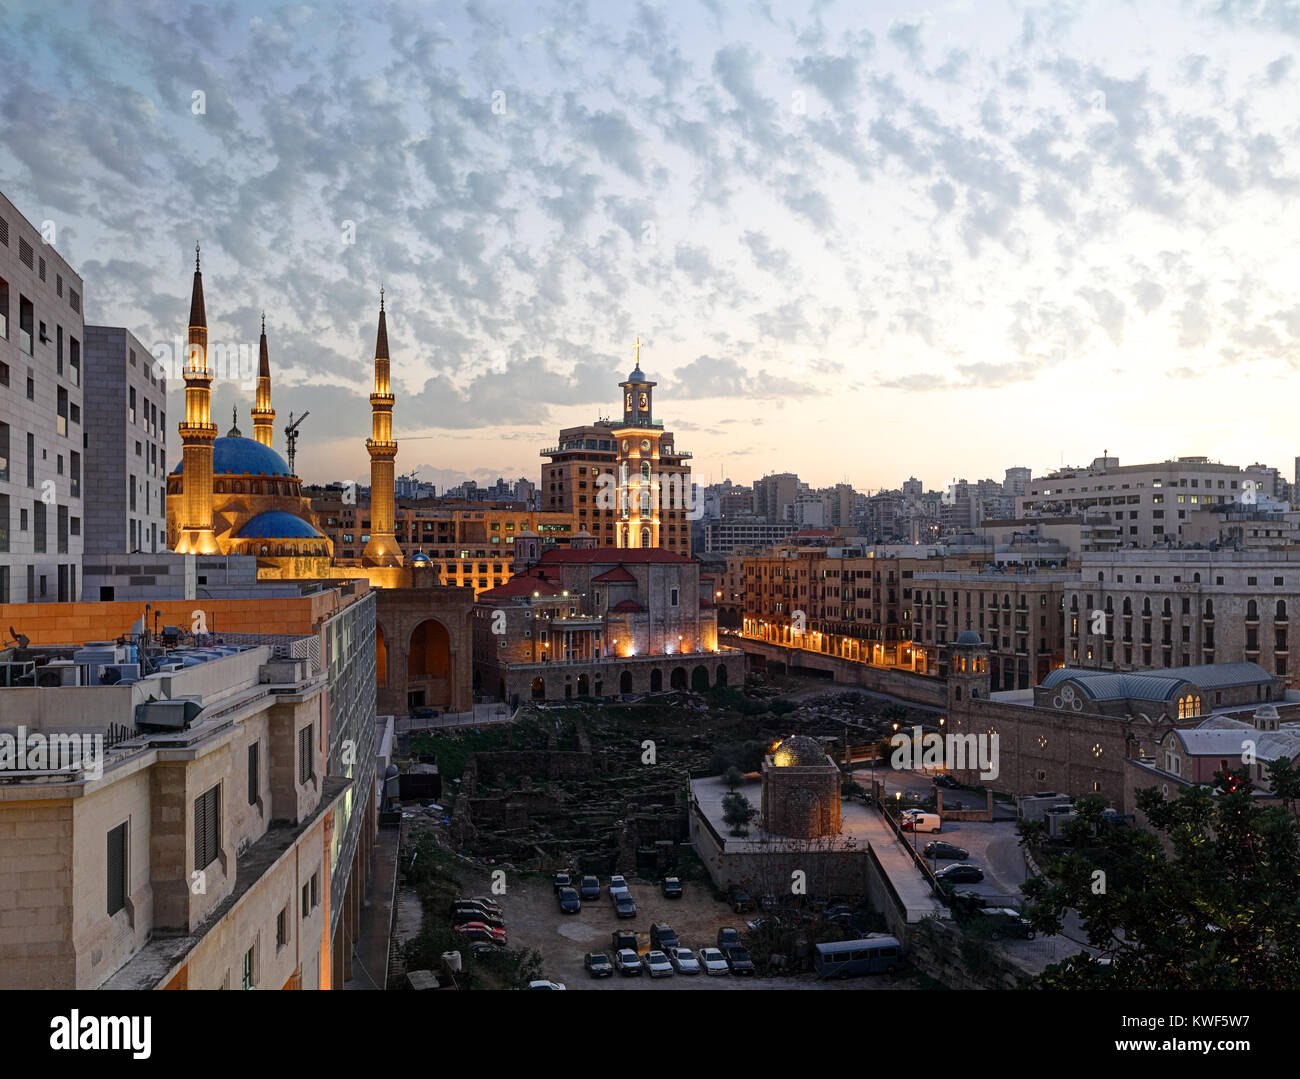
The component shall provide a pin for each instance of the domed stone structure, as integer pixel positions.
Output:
(801, 790)
(798, 751)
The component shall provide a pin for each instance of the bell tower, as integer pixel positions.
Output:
(968, 669)
(637, 518)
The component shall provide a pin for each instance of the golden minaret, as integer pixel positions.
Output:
(263, 413)
(381, 549)
(197, 433)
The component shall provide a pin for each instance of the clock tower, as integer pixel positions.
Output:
(637, 461)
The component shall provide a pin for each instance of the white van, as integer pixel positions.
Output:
(923, 822)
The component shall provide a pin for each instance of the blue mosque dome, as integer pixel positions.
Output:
(420, 559)
(243, 456)
(277, 524)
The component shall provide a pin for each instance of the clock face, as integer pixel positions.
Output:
(645, 445)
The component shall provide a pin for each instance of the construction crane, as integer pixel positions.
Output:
(291, 438)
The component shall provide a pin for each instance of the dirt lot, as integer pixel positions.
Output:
(533, 920)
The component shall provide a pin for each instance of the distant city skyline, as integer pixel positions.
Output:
(857, 245)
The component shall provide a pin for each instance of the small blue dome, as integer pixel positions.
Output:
(968, 636)
(420, 560)
(243, 456)
(277, 524)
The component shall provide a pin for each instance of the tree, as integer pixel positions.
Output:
(1212, 905)
(737, 812)
(733, 778)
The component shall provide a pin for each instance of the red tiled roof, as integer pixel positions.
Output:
(617, 574)
(613, 555)
(524, 585)
(627, 605)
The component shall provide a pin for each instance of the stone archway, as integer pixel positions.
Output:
(539, 688)
(678, 678)
(428, 663)
(656, 680)
(700, 678)
(584, 686)
(722, 674)
(625, 682)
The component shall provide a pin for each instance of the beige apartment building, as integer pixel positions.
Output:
(1183, 608)
(470, 545)
(1020, 617)
(1147, 503)
(841, 592)
(207, 820)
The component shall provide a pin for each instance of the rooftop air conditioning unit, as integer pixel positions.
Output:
(14, 673)
(174, 715)
(58, 674)
(110, 674)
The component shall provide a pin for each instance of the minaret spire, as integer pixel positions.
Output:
(197, 431)
(382, 548)
(263, 413)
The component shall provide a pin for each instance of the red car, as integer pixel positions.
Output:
(477, 931)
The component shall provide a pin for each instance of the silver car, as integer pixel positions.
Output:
(658, 965)
(684, 961)
(713, 961)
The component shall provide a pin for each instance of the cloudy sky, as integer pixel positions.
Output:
(856, 244)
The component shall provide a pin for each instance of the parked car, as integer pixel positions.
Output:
(947, 781)
(622, 938)
(684, 961)
(473, 914)
(478, 932)
(741, 902)
(589, 888)
(617, 881)
(478, 904)
(960, 873)
(623, 905)
(598, 964)
(663, 937)
(562, 880)
(1006, 922)
(569, 901)
(728, 938)
(672, 888)
(936, 848)
(738, 961)
(840, 914)
(713, 961)
(542, 983)
(657, 963)
(628, 962)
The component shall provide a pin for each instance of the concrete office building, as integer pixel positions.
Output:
(126, 445)
(734, 533)
(41, 454)
(1146, 502)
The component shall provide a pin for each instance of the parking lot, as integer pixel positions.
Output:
(533, 920)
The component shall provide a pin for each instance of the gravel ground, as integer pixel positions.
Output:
(533, 920)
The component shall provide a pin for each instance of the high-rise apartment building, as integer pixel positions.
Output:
(41, 437)
(772, 494)
(125, 445)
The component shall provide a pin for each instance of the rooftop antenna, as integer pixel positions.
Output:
(291, 438)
